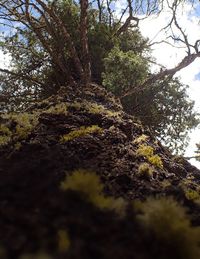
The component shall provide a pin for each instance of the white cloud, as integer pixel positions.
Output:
(169, 57)
(4, 60)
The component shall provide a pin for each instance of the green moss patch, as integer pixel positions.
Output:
(89, 185)
(80, 132)
(148, 152)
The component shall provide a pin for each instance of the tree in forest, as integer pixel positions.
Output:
(53, 43)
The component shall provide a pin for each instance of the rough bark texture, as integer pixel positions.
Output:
(33, 207)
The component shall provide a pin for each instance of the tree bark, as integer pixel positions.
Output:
(84, 42)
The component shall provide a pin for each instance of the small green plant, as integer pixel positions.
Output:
(148, 153)
(63, 241)
(170, 228)
(145, 171)
(81, 132)
(90, 186)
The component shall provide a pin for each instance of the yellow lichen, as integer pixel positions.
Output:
(144, 150)
(63, 241)
(60, 108)
(156, 161)
(193, 195)
(4, 140)
(17, 145)
(5, 135)
(4, 130)
(191, 190)
(23, 124)
(80, 132)
(94, 108)
(145, 171)
(90, 186)
(165, 183)
(141, 139)
(168, 223)
(148, 152)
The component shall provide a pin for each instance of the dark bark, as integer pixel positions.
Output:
(84, 42)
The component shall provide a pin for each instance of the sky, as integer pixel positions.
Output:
(170, 56)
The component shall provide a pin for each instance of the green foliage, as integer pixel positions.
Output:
(197, 152)
(148, 153)
(170, 113)
(89, 185)
(170, 229)
(124, 70)
(81, 132)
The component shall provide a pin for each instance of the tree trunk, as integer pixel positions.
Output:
(84, 42)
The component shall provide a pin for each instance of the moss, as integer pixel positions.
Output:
(144, 150)
(17, 127)
(145, 171)
(5, 135)
(63, 241)
(148, 153)
(140, 139)
(4, 140)
(191, 190)
(90, 186)
(94, 108)
(165, 183)
(4, 130)
(60, 108)
(81, 132)
(156, 161)
(17, 146)
(25, 123)
(170, 228)
(192, 195)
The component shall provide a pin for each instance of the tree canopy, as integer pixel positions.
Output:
(54, 43)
